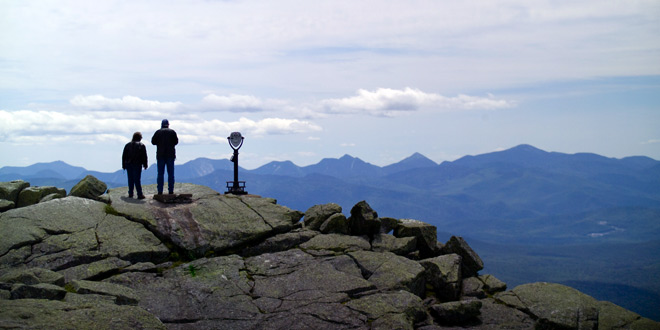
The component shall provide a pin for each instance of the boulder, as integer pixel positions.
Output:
(316, 215)
(204, 289)
(123, 294)
(388, 271)
(317, 275)
(443, 273)
(457, 312)
(336, 243)
(388, 224)
(51, 196)
(270, 291)
(492, 284)
(611, 316)
(481, 286)
(211, 223)
(336, 223)
(363, 220)
(473, 287)
(147, 267)
(89, 187)
(31, 276)
(554, 305)
(472, 263)
(495, 315)
(29, 196)
(94, 269)
(400, 302)
(426, 236)
(89, 299)
(45, 314)
(401, 246)
(37, 291)
(6, 205)
(34, 195)
(72, 231)
(10, 190)
(280, 242)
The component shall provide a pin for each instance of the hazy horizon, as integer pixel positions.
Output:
(152, 162)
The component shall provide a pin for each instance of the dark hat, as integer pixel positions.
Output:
(165, 123)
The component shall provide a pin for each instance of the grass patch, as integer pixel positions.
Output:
(111, 210)
(192, 270)
(69, 288)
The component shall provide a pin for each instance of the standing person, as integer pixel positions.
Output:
(165, 139)
(133, 159)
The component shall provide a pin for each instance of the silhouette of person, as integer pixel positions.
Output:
(133, 159)
(165, 139)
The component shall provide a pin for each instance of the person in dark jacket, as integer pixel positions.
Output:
(133, 159)
(165, 139)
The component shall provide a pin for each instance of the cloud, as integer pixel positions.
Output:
(99, 118)
(29, 127)
(267, 126)
(234, 103)
(390, 102)
(284, 126)
(100, 102)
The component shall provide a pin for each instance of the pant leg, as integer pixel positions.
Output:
(170, 175)
(160, 163)
(138, 179)
(131, 180)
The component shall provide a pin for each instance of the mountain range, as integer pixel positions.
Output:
(582, 219)
(522, 195)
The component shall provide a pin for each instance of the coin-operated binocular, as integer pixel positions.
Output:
(235, 187)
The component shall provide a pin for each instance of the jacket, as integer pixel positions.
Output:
(134, 153)
(165, 139)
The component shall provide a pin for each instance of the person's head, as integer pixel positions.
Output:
(137, 137)
(164, 123)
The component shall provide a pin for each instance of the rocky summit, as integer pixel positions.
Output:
(106, 261)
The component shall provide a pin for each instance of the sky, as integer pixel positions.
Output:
(307, 80)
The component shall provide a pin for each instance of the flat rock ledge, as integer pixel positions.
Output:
(245, 262)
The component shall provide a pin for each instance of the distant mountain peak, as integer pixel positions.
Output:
(526, 148)
(416, 160)
(417, 157)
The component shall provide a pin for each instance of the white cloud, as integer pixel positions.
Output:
(43, 127)
(97, 118)
(100, 102)
(233, 102)
(217, 129)
(384, 102)
(283, 126)
(389, 102)
(25, 126)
